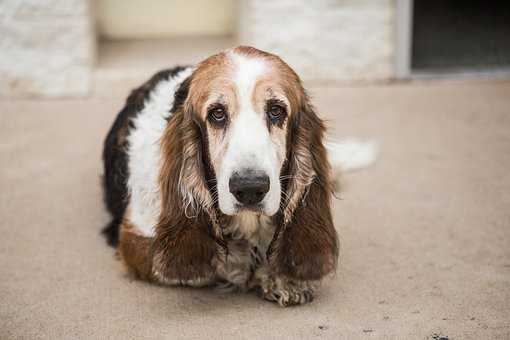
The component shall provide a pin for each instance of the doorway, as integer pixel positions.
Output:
(447, 37)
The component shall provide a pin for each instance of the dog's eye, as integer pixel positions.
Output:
(217, 113)
(276, 112)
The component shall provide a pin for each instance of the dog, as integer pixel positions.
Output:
(219, 174)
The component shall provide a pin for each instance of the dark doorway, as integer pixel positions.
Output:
(460, 35)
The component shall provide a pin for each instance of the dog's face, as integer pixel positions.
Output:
(243, 138)
(243, 100)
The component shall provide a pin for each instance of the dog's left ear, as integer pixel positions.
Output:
(305, 246)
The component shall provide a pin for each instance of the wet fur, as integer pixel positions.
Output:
(283, 257)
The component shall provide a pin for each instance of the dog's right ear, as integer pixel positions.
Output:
(183, 249)
(181, 95)
(183, 141)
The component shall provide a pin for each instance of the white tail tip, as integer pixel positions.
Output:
(351, 154)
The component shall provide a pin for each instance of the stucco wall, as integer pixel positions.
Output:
(330, 40)
(46, 47)
(121, 19)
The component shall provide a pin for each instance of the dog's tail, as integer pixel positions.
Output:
(350, 154)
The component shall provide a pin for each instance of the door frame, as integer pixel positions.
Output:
(403, 38)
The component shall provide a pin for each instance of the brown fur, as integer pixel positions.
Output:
(135, 251)
(305, 245)
(188, 244)
(183, 247)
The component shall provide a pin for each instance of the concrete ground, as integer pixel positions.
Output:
(425, 232)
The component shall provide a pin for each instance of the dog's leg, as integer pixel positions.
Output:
(184, 254)
(135, 251)
(286, 292)
(181, 257)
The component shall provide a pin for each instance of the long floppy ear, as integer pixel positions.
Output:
(184, 246)
(305, 246)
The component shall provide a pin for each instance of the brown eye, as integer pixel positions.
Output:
(276, 112)
(217, 114)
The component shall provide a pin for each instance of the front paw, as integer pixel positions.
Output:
(289, 295)
(284, 291)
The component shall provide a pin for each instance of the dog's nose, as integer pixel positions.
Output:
(249, 187)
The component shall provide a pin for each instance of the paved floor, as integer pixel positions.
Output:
(425, 232)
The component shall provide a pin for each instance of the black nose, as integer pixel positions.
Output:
(249, 187)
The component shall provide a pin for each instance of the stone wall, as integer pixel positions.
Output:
(46, 48)
(325, 40)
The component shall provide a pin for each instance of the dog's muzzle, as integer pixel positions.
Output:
(249, 187)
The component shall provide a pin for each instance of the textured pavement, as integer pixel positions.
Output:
(425, 232)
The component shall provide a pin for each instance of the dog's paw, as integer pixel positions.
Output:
(284, 291)
(289, 296)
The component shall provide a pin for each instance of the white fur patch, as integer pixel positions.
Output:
(351, 154)
(250, 144)
(144, 154)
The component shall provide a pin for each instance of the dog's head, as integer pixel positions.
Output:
(248, 136)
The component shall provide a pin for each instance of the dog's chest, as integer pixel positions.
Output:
(257, 230)
(248, 236)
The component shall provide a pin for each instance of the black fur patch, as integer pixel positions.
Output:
(181, 94)
(115, 153)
